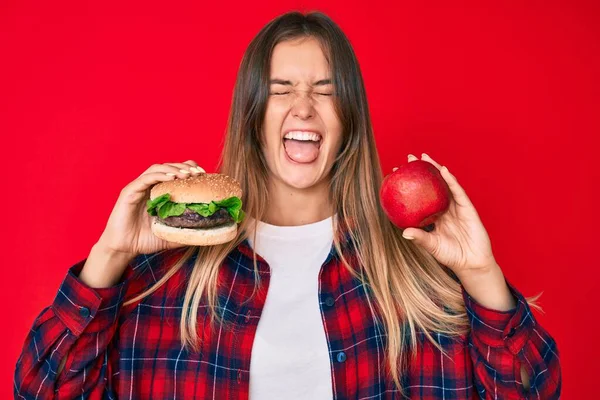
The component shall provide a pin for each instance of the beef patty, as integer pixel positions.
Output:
(191, 219)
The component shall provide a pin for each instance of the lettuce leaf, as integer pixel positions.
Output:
(153, 205)
(170, 209)
(206, 210)
(164, 207)
(233, 206)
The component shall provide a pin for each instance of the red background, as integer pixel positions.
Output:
(506, 95)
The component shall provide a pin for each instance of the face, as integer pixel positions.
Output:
(302, 131)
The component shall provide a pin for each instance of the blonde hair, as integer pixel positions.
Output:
(411, 290)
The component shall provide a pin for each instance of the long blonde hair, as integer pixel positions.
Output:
(411, 290)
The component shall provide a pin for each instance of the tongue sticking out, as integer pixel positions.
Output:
(301, 151)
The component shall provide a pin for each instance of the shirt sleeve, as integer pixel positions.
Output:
(79, 324)
(500, 342)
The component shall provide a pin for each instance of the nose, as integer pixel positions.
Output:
(302, 106)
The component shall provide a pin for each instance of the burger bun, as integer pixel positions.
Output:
(194, 236)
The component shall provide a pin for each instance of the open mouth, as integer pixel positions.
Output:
(302, 146)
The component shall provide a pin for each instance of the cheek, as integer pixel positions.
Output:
(272, 126)
(333, 125)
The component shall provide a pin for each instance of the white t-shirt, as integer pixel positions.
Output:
(290, 357)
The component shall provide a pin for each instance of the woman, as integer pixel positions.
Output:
(354, 309)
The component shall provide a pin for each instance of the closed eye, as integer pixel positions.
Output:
(284, 93)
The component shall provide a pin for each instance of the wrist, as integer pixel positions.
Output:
(488, 287)
(103, 251)
(104, 267)
(480, 274)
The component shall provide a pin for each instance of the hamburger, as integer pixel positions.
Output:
(201, 210)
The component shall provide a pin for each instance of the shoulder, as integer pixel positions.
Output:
(157, 263)
(145, 270)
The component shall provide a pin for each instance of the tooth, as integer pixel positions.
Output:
(302, 135)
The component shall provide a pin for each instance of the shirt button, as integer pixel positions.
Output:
(239, 378)
(84, 312)
(247, 319)
(341, 356)
(329, 301)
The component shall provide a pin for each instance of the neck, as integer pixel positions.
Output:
(289, 206)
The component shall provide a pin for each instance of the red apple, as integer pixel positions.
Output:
(415, 195)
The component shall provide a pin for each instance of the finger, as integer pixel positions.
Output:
(194, 166)
(421, 238)
(191, 162)
(185, 168)
(410, 158)
(167, 169)
(426, 157)
(172, 245)
(458, 193)
(145, 181)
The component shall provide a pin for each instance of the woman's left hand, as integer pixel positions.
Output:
(458, 240)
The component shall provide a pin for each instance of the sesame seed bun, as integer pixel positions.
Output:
(193, 236)
(202, 188)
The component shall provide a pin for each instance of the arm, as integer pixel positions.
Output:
(74, 332)
(513, 356)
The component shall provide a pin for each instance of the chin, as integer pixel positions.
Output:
(299, 181)
(299, 176)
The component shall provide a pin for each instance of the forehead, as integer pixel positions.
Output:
(299, 59)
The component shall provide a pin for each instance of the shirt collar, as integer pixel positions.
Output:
(343, 233)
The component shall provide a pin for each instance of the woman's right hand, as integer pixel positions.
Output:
(128, 231)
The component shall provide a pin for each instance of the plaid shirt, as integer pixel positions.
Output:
(134, 352)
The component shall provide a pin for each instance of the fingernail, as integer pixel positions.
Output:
(394, 169)
(408, 237)
(183, 171)
(425, 155)
(169, 174)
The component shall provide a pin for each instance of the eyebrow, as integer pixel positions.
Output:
(321, 82)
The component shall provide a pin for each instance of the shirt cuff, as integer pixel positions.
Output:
(509, 329)
(81, 307)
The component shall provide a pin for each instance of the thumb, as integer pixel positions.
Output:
(168, 245)
(420, 237)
